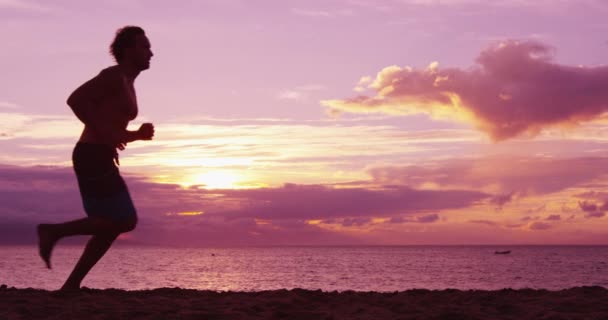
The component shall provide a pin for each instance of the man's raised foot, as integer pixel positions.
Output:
(46, 242)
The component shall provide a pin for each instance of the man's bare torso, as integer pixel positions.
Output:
(117, 106)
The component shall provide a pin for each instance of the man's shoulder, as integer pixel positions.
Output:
(112, 71)
(110, 75)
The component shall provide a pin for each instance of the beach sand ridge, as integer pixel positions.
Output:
(176, 303)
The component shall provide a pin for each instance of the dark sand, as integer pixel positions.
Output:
(166, 303)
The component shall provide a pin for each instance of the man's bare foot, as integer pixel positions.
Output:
(46, 242)
(69, 288)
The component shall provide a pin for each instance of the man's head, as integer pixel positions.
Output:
(131, 46)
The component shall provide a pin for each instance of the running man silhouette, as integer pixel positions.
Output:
(105, 104)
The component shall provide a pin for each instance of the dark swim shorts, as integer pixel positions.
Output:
(103, 191)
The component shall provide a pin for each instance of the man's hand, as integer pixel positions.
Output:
(146, 131)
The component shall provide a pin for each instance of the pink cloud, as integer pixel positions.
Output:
(515, 89)
(508, 176)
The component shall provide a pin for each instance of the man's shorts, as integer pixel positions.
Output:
(103, 191)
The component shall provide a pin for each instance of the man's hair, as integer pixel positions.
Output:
(125, 38)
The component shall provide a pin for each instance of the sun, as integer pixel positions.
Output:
(216, 180)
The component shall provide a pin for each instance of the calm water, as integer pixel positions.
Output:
(326, 268)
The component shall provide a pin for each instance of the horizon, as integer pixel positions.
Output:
(123, 244)
(322, 123)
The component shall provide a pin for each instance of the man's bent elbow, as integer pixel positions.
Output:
(72, 101)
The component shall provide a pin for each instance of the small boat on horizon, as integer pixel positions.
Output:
(502, 252)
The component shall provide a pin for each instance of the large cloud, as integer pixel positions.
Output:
(171, 214)
(516, 89)
(319, 202)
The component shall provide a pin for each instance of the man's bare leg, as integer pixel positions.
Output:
(49, 234)
(97, 246)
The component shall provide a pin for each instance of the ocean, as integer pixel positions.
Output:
(366, 268)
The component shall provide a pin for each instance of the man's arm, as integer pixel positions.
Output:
(145, 132)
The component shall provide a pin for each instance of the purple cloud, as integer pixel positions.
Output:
(596, 214)
(554, 217)
(318, 202)
(397, 220)
(428, 218)
(537, 225)
(34, 195)
(502, 199)
(486, 222)
(587, 206)
(515, 89)
(349, 222)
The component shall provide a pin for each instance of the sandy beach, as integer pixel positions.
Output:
(175, 303)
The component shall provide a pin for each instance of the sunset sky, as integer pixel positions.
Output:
(331, 122)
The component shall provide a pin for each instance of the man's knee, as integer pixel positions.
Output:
(128, 225)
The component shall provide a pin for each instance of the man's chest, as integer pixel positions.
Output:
(122, 104)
